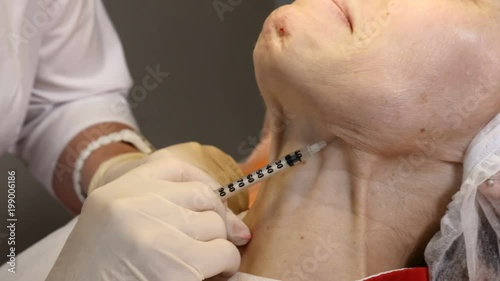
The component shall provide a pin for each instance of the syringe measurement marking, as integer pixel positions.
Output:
(290, 159)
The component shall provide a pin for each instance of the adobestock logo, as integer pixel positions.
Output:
(373, 28)
(278, 120)
(223, 6)
(31, 27)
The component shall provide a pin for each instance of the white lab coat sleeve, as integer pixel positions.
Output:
(82, 80)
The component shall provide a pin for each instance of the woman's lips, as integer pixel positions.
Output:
(341, 5)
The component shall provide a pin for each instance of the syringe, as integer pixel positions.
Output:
(272, 168)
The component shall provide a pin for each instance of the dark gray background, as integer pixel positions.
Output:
(210, 96)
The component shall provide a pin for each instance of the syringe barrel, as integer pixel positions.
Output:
(271, 169)
(261, 174)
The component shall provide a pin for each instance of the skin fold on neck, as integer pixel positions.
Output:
(346, 214)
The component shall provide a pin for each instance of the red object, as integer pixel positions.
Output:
(406, 274)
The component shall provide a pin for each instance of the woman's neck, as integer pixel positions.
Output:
(346, 214)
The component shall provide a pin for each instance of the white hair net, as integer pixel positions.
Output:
(467, 246)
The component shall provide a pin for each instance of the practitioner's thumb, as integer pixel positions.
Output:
(237, 231)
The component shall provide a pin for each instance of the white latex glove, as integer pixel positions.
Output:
(160, 221)
(209, 159)
(116, 167)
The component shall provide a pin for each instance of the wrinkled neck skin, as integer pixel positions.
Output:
(346, 214)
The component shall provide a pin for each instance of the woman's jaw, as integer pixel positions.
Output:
(431, 71)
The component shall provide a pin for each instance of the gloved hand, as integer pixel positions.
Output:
(209, 159)
(160, 221)
(114, 168)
